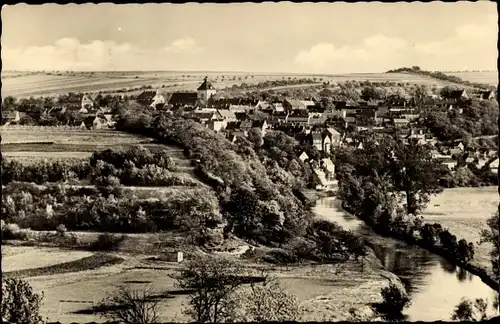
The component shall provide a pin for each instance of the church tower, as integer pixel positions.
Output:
(205, 91)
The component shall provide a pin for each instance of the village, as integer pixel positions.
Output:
(321, 126)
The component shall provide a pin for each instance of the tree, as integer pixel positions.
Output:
(132, 305)
(211, 282)
(466, 310)
(255, 137)
(270, 302)
(20, 303)
(394, 301)
(415, 173)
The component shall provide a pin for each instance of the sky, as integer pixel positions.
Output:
(252, 37)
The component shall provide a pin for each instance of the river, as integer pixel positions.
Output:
(434, 285)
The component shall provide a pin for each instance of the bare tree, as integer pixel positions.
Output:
(211, 282)
(132, 305)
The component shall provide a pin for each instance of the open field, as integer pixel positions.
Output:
(480, 77)
(464, 211)
(30, 144)
(39, 84)
(326, 292)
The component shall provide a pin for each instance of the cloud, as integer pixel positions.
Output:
(71, 54)
(471, 45)
(68, 54)
(183, 45)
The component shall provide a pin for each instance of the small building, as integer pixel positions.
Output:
(152, 99)
(174, 256)
(183, 99)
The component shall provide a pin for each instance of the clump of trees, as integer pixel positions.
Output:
(109, 210)
(255, 203)
(477, 119)
(387, 183)
(133, 167)
(20, 303)
(440, 76)
(217, 294)
(43, 171)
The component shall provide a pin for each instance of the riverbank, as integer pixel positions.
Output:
(475, 270)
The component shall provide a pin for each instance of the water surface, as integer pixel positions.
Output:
(435, 286)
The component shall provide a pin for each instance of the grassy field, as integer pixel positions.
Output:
(39, 84)
(326, 292)
(30, 145)
(465, 211)
(480, 77)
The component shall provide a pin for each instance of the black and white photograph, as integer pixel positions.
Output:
(250, 162)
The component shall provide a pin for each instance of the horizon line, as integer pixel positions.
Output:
(227, 71)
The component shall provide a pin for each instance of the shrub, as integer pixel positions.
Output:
(107, 242)
(61, 230)
(282, 257)
(20, 304)
(13, 232)
(394, 301)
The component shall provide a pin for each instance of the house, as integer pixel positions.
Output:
(94, 122)
(292, 105)
(232, 136)
(304, 157)
(308, 104)
(486, 95)
(227, 115)
(328, 165)
(217, 125)
(241, 108)
(335, 137)
(78, 102)
(205, 91)
(12, 117)
(297, 120)
(317, 140)
(109, 120)
(262, 125)
(458, 95)
(278, 107)
(153, 99)
(263, 105)
(183, 99)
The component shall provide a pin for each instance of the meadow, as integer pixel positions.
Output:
(31, 144)
(40, 84)
(464, 211)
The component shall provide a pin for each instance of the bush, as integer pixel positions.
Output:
(281, 257)
(20, 304)
(107, 242)
(13, 232)
(61, 230)
(394, 301)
